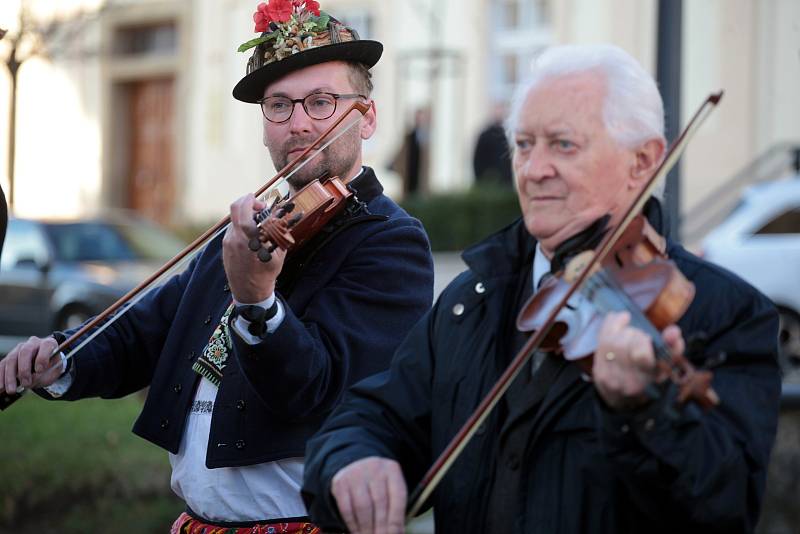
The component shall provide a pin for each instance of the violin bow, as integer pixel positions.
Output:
(446, 459)
(138, 292)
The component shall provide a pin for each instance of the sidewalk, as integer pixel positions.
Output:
(446, 266)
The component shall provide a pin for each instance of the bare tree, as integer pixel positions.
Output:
(33, 37)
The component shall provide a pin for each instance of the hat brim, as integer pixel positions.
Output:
(251, 87)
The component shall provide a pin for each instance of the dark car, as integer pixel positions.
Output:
(56, 274)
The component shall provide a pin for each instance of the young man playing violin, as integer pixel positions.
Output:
(246, 358)
(606, 447)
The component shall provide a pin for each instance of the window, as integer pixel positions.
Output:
(88, 242)
(520, 29)
(157, 39)
(25, 245)
(787, 222)
(358, 19)
(522, 14)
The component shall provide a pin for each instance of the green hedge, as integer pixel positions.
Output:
(456, 220)
(76, 467)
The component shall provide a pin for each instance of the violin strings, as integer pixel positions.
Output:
(638, 318)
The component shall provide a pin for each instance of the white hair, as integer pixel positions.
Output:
(633, 111)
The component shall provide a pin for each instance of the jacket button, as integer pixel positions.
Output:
(191, 356)
(458, 309)
(164, 423)
(513, 461)
(649, 425)
(177, 388)
(208, 320)
(240, 444)
(480, 288)
(240, 405)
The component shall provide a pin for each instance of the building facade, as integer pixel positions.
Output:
(134, 109)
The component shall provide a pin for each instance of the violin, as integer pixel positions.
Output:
(637, 277)
(311, 208)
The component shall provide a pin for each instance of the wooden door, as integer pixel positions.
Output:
(151, 174)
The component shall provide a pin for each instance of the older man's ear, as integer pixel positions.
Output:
(647, 158)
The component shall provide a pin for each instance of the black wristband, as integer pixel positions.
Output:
(257, 316)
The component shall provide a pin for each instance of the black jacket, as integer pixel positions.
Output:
(3, 219)
(349, 305)
(584, 468)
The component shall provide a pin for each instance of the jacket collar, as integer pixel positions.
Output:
(366, 185)
(511, 249)
(503, 253)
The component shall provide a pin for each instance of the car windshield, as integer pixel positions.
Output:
(98, 241)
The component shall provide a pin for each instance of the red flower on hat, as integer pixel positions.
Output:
(279, 10)
(313, 7)
(261, 18)
(273, 11)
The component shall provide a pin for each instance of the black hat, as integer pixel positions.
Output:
(303, 40)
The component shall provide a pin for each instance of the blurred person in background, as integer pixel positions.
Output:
(413, 157)
(561, 452)
(3, 206)
(245, 358)
(3, 219)
(491, 160)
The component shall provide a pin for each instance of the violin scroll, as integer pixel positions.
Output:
(693, 384)
(311, 208)
(274, 230)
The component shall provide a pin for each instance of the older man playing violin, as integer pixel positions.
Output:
(246, 358)
(563, 451)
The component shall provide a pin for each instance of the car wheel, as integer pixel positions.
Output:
(789, 339)
(72, 318)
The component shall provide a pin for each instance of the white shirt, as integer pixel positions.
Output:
(269, 490)
(541, 266)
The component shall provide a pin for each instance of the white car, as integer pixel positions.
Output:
(760, 241)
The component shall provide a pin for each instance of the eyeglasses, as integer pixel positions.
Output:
(318, 106)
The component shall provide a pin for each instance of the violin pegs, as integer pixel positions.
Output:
(254, 244)
(264, 255)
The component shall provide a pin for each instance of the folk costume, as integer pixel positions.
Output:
(551, 457)
(234, 405)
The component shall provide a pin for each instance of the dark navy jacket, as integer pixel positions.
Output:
(584, 469)
(3, 218)
(350, 303)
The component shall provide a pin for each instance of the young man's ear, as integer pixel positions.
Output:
(369, 123)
